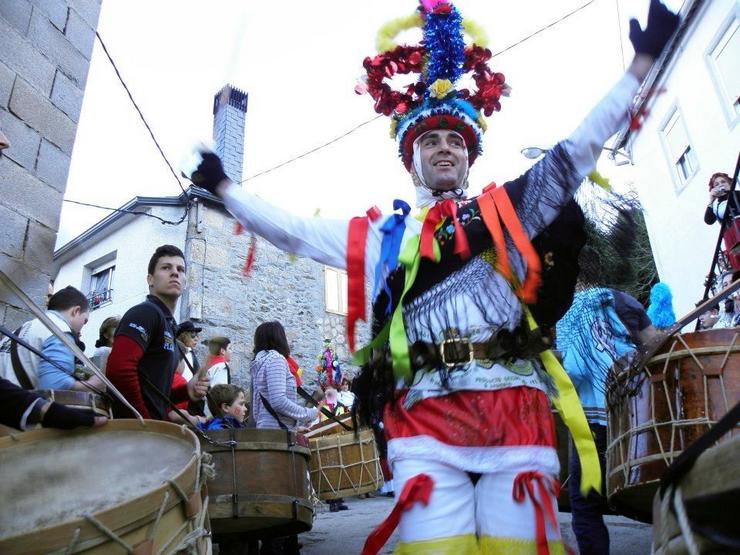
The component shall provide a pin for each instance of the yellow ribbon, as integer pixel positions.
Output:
(571, 411)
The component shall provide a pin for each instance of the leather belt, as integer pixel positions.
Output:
(459, 351)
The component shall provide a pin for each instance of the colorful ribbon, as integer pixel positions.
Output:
(496, 207)
(410, 259)
(416, 490)
(547, 488)
(356, 242)
(436, 215)
(392, 231)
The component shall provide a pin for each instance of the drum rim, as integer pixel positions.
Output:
(279, 443)
(71, 394)
(57, 536)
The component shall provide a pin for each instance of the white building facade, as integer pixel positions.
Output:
(691, 132)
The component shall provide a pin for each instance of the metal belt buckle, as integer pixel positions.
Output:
(455, 343)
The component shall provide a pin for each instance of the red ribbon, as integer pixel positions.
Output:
(238, 230)
(496, 207)
(524, 487)
(416, 489)
(440, 211)
(356, 239)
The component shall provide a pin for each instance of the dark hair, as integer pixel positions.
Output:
(162, 251)
(108, 323)
(220, 394)
(215, 344)
(66, 298)
(271, 335)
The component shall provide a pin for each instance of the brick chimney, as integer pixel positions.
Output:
(229, 112)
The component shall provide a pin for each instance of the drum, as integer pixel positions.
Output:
(708, 499)
(345, 465)
(657, 410)
(329, 427)
(731, 239)
(79, 399)
(125, 487)
(261, 488)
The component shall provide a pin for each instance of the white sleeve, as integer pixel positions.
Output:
(324, 241)
(586, 142)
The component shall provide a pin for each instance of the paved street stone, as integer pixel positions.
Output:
(345, 531)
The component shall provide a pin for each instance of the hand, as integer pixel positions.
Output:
(198, 386)
(210, 172)
(54, 415)
(661, 24)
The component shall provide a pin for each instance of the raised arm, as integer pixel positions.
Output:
(541, 192)
(324, 241)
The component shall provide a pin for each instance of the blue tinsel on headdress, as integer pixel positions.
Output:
(660, 310)
(445, 46)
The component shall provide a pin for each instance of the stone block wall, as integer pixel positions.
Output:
(45, 50)
(279, 287)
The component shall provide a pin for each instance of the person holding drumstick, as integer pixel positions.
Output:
(144, 356)
(22, 409)
(599, 333)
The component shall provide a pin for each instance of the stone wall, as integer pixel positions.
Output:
(45, 49)
(279, 287)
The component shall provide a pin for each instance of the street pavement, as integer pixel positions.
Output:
(345, 531)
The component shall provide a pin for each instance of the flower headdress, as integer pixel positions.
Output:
(441, 59)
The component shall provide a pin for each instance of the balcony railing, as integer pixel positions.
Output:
(100, 298)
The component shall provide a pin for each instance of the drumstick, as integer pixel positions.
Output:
(53, 328)
(649, 350)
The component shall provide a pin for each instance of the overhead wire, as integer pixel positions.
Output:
(313, 150)
(134, 212)
(545, 28)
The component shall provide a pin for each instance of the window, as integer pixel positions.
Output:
(335, 290)
(101, 287)
(681, 157)
(723, 58)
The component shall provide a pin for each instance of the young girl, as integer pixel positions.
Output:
(228, 406)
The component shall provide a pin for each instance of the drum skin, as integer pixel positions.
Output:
(127, 476)
(345, 465)
(657, 410)
(272, 485)
(79, 399)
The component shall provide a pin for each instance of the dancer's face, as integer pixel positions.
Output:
(444, 159)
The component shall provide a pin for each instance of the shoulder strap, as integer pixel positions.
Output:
(228, 372)
(20, 373)
(272, 412)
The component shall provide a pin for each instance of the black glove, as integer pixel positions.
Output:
(66, 418)
(661, 24)
(209, 173)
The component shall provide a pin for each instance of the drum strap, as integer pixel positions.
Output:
(274, 414)
(20, 372)
(234, 491)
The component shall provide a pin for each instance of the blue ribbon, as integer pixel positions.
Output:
(390, 247)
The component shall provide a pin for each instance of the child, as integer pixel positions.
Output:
(228, 406)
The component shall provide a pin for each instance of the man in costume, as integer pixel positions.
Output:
(144, 358)
(597, 336)
(453, 359)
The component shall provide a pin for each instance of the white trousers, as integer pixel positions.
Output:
(487, 510)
